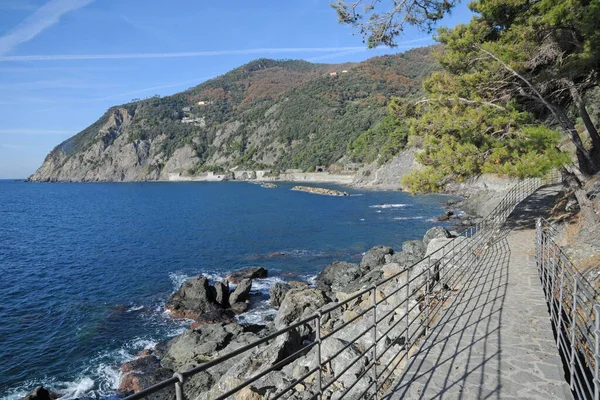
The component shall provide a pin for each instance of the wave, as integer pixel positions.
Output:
(408, 218)
(135, 308)
(389, 205)
(178, 279)
(261, 314)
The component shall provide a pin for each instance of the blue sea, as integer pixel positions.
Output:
(85, 269)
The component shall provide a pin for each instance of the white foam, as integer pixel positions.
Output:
(261, 314)
(263, 285)
(213, 277)
(78, 388)
(134, 308)
(389, 206)
(408, 218)
(362, 219)
(178, 279)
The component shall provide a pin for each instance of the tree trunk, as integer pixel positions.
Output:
(587, 212)
(590, 166)
(587, 121)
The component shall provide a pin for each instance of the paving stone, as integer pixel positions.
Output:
(494, 338)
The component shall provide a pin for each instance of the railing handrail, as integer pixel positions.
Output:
(574, 313)
(476, 236)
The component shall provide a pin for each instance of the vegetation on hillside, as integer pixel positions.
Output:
(519, 73)
(275, 114)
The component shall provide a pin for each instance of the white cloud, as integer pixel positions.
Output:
(35, 132)
(43, 18)
(258, 51)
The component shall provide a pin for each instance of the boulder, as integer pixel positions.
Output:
(41, 393)
(247, 273)
(277, 293)
(375, 257)
(241, 292)
(214, 317)
(256, 361)
(298, 304)
(222, 293)
(413, 251)
(435, 233)
(194, 298)
(339, 274)
(205, 343)
(239, 308)
(446, 216)
(196, 345)
(142, 372)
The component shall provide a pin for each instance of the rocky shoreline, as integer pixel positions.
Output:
(215, 331)
(317, 190)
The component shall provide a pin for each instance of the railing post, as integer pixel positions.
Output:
(375, 340)
(179, 385)
(597, 352)
(318, 339)
(573, 333)
(552, 284)
(427, 292)
(538, 247)
(560, 302)
(407, 304)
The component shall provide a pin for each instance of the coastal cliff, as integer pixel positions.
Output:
(264, 118)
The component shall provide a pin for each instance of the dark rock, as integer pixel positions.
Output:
(194, 298)
(277, 293)
(246, 273)
(41, 393)
(437, 232)
(298, 304)
(222, 293)
(413, 251)
(239, 307)
(339, 274)
(195, 347)
(214, 317)
(241, 292)
(446, 216)
(375, 257)
(142, 372)
(298, 284)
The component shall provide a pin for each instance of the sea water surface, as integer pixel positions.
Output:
(85, 269)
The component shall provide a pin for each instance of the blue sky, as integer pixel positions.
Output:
(64, 62)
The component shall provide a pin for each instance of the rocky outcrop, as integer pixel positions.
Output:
(197, 299)
(343, 328)
(316, 190)
(389, 175)
(277, 293)
(194, 298)
(298, 304)
(41, 393)
(435, 233)
(241, 292)
(142, 372)
(246, 273)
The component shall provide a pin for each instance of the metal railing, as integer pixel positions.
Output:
(574, 313)
(390, 317)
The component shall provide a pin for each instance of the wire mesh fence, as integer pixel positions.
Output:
(355, 347)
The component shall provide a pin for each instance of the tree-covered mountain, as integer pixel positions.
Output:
(267, 114)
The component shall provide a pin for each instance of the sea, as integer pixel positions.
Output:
(86, 269)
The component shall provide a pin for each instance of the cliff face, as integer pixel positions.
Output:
(265, 115)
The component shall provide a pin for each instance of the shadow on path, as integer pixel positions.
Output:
(493, 339)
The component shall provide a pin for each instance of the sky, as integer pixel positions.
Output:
(64, 62)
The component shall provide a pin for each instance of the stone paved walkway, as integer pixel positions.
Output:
(493, 339)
